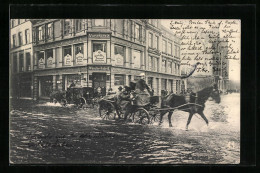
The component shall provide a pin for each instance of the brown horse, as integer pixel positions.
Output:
(200, 98)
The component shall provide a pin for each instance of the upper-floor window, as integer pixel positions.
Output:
(12, 23)
(18, 21)
(150, 63)
(170, 48)
(136, 59)
(156, 64)
(79, 25)
(40, 59)
(67, 26)
(40, 33)
(14, 40)
(150, 40)
(119, 55)
(49, 58)
(20, 38)
(178, 51)
(164, 46)
(79, 54)
(137, 31)
(49, 30)
(156, 42)
(175, 50)
(163, 65)
(169, 66)
(99, 22)
(27, 36)
(155, 22)
(120, 25)
(99, 52)
(67, 56)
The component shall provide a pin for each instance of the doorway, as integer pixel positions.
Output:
(99, 80)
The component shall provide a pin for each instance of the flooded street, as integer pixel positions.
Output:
(48, 133)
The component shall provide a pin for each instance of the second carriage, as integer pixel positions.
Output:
(79, 96)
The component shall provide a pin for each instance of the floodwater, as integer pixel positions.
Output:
(46, 133)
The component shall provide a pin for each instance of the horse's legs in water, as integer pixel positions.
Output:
(189, 119)
(170, 118)
(161, 116)
(204, 117)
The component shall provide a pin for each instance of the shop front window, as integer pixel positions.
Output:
(79, 54)
(67, 58)
(49, 56)
(15, 62)
(119, 79)
(73, 81)
(119, 55)
(21, 61)
(99, 52)
(28, 61)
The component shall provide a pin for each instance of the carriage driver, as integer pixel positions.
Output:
(141, 94)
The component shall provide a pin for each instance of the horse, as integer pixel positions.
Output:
(173, 100)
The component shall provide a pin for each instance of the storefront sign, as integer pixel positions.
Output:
(99, 68)
(119, 60)
(49, 61)
(99, 57)
(79, 59)
(99, 36)
(41, 63)
(67, 59)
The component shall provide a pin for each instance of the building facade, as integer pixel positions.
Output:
(21, 59)
(105, 53)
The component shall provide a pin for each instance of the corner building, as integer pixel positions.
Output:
(21, 59)
(105, 53)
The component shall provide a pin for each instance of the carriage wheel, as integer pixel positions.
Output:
(141, 116)
(81, 102)
(107, 111)
(154, 117)
(63, 102)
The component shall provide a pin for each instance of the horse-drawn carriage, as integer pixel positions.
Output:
(158, 106)
(80, 96)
